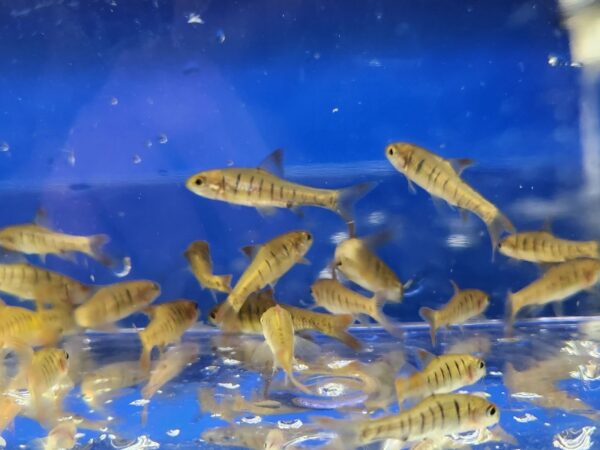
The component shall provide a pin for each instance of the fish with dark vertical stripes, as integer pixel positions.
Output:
(442, 179)
(264, 188)
(198, 256)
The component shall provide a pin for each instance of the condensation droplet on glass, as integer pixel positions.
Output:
(148, 143)
(162, 138)
(92, 278)
(173, 433)
(70, 157)
(4, 147)
(220, 36)
(114, 101)
(194, 18)
(336, 109)
(230, 162)
(137, 159)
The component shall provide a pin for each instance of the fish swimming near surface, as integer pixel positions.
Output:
(264, 188)
(442, 179)
(465, 304)
(198, 256)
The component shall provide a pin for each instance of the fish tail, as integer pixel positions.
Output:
(383, 319)
(346, 199)
(498, 224)
(341, 323)
(299, 385)
(225, 281)
(430, 316)
(402, 389)
(96, 242)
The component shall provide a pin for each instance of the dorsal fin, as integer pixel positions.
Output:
(41, 218)
(424, 356)
(250, 251)
(273, 163)
(547, 225)
(455, 287)
(460, 164)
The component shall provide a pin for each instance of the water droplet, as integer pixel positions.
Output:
(163, 139)
(137, 159)
(289, 424)
(173, 433)
(148, 143)
(140, 402)
(495, 373)
(114, 101)
(195, 18)
(220, 36)
(336, 109)
(210, 370)
(231, 362)
(525, 418)
(4, 147)
(229, 385)
(526, 395)
(573, 439)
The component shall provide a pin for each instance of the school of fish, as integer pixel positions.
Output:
(430, 408)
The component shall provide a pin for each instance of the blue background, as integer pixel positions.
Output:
(330, 82)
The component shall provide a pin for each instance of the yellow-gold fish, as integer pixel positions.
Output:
(28, 326)
(33, 239)
(247, 319)
(558, 283)
(442, 374)
(436, 416)
(359, 264)
(60, 319)
(115, 302)
(338, 299)
(168, 323)
(270, 261)
(61, 437)
(48, 367)
(263, 188)
(278, 329)
(544, 247)
(29, 282)
(198, 256)
(108, 381)
(9, 409)
(465, 304)
(441, 178)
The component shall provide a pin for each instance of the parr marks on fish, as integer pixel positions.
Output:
(544, 247)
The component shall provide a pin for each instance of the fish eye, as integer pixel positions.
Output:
(213, 314)
(481, 364)
(308, 236)
(390, 151)
(66, 355)
(198, 181)
(499, 244)
(491, 410)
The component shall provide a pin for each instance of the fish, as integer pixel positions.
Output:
(115, 302)
(278, 329)
(265, 189)
(436, 416)
(557, 283)
(359, 264)
(240, 436)
(60, 319)
(9, 409)
(442, 179)
(248, 319)
(48, 368)
(34, 239)
(29, 282)
(168, 323)
(61, 437)
(545, 248)
(198, 256)
(27, 326)
(442, 374)
(270, 261)
(465, 304)
(108, 381)
(338, 299)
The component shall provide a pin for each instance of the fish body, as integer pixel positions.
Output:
(30, 282)
(359, 264)
(260, 188)
(168, 323)
(544, 247)
(115, 302)
(271, 260)
(248, 319)
(465, 304)
(441, 178)
(338, 299)
(558, 283)
(198, 256)
(278, 329)
(48, 368)
(61, 437)
(33, 239)
(436, 416)
(60, 320)
(27, 326)
(442, 375)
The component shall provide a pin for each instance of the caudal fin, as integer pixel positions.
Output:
(225, 281)
(499, 224)
(402, 390)
(347, 197)
(430, 316)
(96, 251)
(340, 325)
(386, 323)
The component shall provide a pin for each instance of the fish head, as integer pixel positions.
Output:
(301, 241)
(508, 245)
(484, 413)
(149, 290)
(208, 184)
(476, 368)
(63, 361)
(78, 293)
(400, 154)
(212, 315)
(347, 251)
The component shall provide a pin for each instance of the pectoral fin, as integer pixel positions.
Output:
(460, 164)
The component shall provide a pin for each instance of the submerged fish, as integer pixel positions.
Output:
(359, 264)
(558, 283)
(465, 304)
(168, 323)
(278, 329)
(61, 437)
(48, 368)
(28, 326)
(338, 299)
(270, 261)
(115, 302)
(29, 282)
(544, 247)
(33, 239)
(198, 256)
(434, 417)
(443, 374)
(441, 178)
(248, 319)
(265, 189)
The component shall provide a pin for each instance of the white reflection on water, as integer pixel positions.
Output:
(287, 424)
(458, 241)
(525, 418)
(572, 439)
